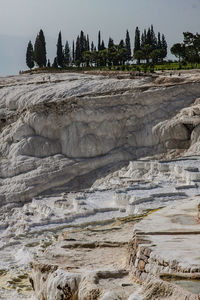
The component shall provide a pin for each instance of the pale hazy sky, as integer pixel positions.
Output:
(24, 18)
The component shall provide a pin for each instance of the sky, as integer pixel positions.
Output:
(21, 20)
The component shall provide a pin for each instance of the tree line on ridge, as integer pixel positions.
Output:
(147, 47)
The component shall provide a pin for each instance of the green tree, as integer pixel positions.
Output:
(78, 51)
(128, 46)
(40, 50)
(88, 43)
(192, 47)
(110, 43)
(159, 44)
(60, 54)
(92, 46)
(87, 57)
(155, 55)
(139, 55)
(73, 53)
(99, 41)
(148, 38)
(67, 57)
(121, 44)
(122, 52)
(189, 38)
(110, 51)
(121, 55)
(143, 39)
(164, 47)
(55, 64)
(191, 55)
(82, 45)
(115, 55)
(178, 50)
(153, 38)
(103, 45)
(30, 56)
(104, 56)
(93, 59)
(147, 49)
(137, 44)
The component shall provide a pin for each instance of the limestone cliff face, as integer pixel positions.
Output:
(54, 131)
(182, 130)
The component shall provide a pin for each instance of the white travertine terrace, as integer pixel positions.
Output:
(73, 154)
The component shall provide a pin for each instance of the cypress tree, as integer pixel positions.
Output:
(121, 44)
(73, 52)
(110, 43)
(148, 38)
(92, 47)
(103, 45)
(153, 38)
(30, 56)
(110, 51)
(88, 43)
(55, 64)
(37, 47)
(82, 41)
(159, 44)
(99, 41)
(164, 46)
(82, 45)
(67, 54)
(121, 52)
(60, 54)
(128, 45)
(137, 45)
(159, 47)
(78, 50)
(43, 49)
(48, 64)
(143, 39)
(40, 50)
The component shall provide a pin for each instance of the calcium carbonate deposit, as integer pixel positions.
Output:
(99, 185)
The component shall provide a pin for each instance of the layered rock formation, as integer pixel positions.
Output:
(54, 131)
(65, 147)
(102, 249)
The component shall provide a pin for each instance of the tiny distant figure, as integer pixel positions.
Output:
(49, 78)
(43, 78)
(179, 74)
(170, 74)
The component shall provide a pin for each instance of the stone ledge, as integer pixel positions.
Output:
(167, 243)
